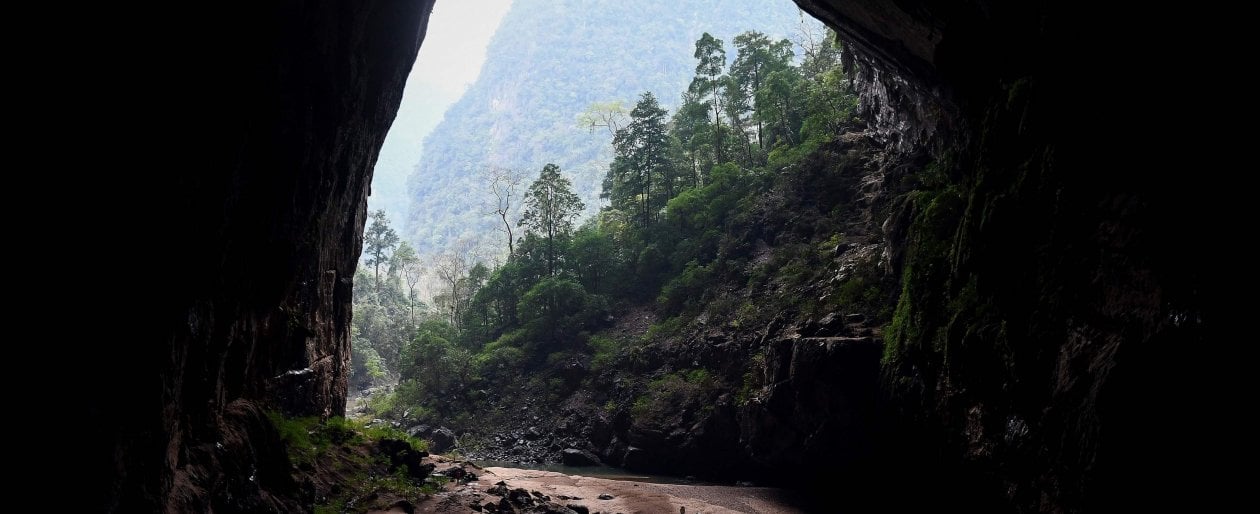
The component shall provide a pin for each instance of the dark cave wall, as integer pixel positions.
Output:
(279, 112)
(1040, 351)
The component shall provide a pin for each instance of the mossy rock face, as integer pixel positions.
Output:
(1034, 282)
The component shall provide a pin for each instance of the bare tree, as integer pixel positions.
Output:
(503, 185)
(410, 268)
(452, 267)
(809, 34)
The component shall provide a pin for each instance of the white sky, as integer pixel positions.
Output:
(450, 59)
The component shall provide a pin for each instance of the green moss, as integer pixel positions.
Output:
(927, 270)
(307, 438)
(752, 379)
(698, 376)
(310, 441)
(299, 436)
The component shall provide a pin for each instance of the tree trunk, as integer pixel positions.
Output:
(508, 226)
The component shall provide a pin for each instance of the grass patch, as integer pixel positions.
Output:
(664, 329)
(605, 351)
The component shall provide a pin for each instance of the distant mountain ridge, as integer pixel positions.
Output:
(548, 61)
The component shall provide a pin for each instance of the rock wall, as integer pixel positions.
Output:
(1045, 292)
(274, 115)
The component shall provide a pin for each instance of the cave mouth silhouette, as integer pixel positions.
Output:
(259, 229)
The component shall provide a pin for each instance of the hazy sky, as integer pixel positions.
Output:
(450, 59)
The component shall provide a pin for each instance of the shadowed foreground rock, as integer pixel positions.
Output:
(282, 108)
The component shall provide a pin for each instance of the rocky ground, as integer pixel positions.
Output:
(504, 490)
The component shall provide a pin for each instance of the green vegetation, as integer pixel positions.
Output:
(308, 438)
(673, 394)
(931, 243)
(347, 451)
(727, 192)
(387, 310)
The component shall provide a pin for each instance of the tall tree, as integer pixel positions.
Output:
(503, 185)
(708, 82)
(550, 207)
(777, 105)
(642, 148)
(379, 241)
(757, 58)
(694, 132)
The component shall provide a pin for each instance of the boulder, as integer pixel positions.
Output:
(520, 496)
(499, 489)
(578, 458)
(830, 325)
(401, 454)
(442, 439)
(420, 431)
(635, 459)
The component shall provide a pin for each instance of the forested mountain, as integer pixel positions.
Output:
(547, 64)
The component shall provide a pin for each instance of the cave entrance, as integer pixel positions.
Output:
(568, 200)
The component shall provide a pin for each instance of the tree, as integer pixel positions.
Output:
(379, 241)
(821, 49)
(550, 207)
(708, 82)
(642, 148)
(607, 115)
(594, 256)
(451, 267)
(407, 264)
(829, 100)
(557, 308)
(757, 59)
(503, 184)
(776, 105)
(695, 134)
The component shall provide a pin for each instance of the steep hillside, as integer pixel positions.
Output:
(773, 367)
(547, 63)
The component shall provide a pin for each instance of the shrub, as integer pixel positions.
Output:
(672, 394)
(605, 351)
